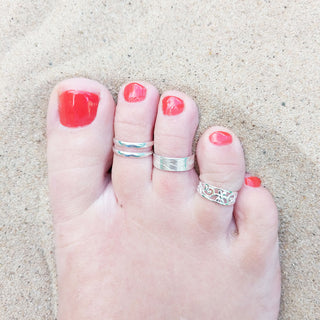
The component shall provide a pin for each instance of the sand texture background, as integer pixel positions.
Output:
(253, 66)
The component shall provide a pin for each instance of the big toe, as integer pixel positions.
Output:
(80, 132)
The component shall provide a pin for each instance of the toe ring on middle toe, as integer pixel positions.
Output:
(215, 194)
(173, 164)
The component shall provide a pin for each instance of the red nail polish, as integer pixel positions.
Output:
(134, 92)
(254, 182)
(77, 108)
(172, 106)
(220, 138)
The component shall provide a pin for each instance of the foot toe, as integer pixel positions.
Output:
(256, 215)
(134, 123)
(221, 162)
(80, 132)
(176, 123)
(256, 244)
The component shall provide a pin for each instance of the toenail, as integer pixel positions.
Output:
(77, 108)
(254, 182)
(172, 106)
(134, 92)
(220, 138)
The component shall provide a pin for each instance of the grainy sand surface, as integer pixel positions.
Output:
(251, 65)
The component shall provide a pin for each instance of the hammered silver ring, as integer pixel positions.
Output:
(173, 164)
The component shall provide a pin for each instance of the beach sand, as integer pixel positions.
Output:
(253, 66)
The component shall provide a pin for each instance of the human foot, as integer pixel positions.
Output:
(144, 244)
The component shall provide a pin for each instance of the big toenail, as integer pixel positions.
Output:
(254, 182)
(172, 106)
(134, 92)
(220, 138)
(77, 108)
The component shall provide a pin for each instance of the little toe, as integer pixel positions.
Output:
(256, 244)
(176, 123)
(256, 215)
(134, 123)
(80, 132)
(222, 167)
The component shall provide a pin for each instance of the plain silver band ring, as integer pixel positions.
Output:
(128, 154)
(215, 194)
(137, 145)
(173, 164)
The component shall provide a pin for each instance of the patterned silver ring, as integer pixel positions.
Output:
(137, 145)
(127, 154)
(218, 195)
(173, 164)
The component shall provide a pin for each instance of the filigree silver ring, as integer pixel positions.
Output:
(215, 194)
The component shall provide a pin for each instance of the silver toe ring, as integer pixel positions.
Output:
(215, 194)
(128, 154)
(132, 149)
(173, 164)
(136, 145)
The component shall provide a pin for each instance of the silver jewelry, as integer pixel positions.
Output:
(128, 154)
(215, 194)
(173, 164)
(137, 145)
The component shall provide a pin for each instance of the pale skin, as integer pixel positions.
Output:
(141, 243)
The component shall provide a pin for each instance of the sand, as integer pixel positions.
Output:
(253, 66)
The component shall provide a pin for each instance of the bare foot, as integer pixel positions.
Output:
(142, 243)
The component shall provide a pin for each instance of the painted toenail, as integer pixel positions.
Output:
(134, 92)
(220, 138)
(254, 182)
(77, 108)
(172, 106)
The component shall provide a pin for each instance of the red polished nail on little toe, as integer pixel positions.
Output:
(220, 138)
(172, 106)
(77, 108)
(134, 92)
(254, 182)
